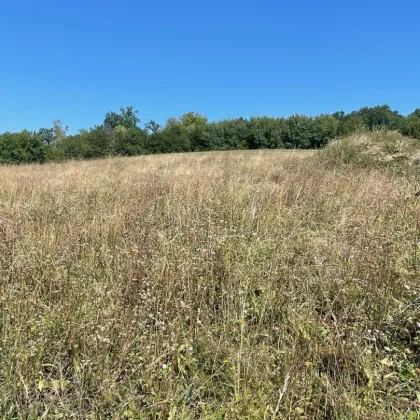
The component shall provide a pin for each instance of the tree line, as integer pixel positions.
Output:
(121, 134)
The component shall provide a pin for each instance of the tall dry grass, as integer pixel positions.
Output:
(220, 285)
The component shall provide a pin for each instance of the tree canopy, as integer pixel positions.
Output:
(120, 134)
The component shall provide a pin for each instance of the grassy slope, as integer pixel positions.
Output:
(220, 285)
(384, 149)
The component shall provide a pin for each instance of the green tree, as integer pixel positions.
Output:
(267, 133)
(300, 132)
(47, 136)
(98, 142)
(353, 123)
(339, 115)
(152, 127)
(60, 131)
(195, 124)
(126, 118)
(416, 113)
(76, 146)
(23, 147)
(174, 137)
(325, 128)
(129, 141)
(381, 116)
(411, 126)
(88, 144)
(230, 134)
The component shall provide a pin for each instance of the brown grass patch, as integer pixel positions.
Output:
(211, 285)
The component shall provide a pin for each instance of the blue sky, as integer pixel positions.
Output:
(76, 60)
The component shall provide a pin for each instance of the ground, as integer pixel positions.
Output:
(209, 285)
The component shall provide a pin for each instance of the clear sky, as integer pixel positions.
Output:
(77, 59)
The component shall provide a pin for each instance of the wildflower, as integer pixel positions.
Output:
(407, 286)
(164, 366)
(324, 378)
(386, 362)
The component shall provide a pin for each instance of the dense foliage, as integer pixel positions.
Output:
(121, 134)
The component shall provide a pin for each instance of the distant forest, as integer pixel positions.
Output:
(122, 134)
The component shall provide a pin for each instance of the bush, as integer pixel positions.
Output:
(23, 147)
(411, 126)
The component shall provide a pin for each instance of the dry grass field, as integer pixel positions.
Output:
(231, 285)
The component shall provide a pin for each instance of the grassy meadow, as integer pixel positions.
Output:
(220, 285)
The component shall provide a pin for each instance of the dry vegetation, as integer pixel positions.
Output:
(383, 149)
(216, 285)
